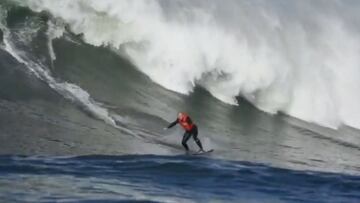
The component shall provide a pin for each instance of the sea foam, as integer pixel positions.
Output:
(300, 58)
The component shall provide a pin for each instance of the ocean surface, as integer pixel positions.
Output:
(154, 178)
(86, 88)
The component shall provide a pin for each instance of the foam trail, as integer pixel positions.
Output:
(68, 90)
(300, 57)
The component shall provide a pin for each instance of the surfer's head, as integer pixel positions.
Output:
(181, 115)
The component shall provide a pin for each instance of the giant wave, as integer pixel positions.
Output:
(70, 80)
(299, 58)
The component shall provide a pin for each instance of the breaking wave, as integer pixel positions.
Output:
(299, 58)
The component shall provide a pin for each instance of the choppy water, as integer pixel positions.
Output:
(151, 178)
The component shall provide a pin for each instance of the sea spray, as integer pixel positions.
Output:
(299, 58)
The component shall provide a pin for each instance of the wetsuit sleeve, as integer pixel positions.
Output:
(173, 123)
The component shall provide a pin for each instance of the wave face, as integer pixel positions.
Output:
(300, 58)
(77, 78)
(61, 95)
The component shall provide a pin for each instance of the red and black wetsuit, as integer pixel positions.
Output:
(190, 129)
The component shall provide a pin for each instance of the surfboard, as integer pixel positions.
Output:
(205, 152)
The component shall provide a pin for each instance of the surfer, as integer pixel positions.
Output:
(190, 130)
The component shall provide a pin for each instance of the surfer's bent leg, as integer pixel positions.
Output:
(186, 137)
(194, 133)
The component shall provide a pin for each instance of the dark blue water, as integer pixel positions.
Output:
(148, 178)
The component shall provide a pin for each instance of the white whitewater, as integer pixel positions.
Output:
(298, 57)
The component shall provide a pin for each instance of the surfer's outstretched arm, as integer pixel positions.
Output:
(173, 123)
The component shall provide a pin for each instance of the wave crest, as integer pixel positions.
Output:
(300, 58)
